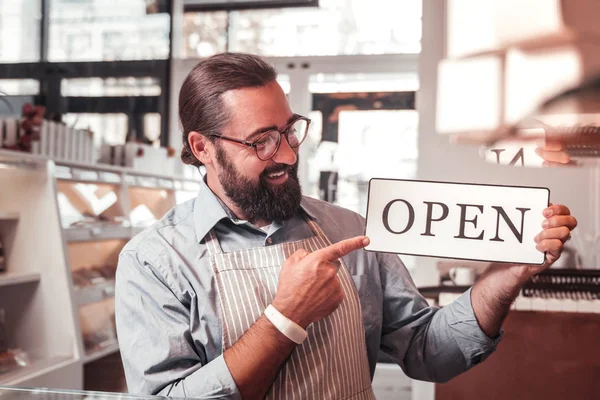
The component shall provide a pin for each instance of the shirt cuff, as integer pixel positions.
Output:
(213, 380)
(475, 345)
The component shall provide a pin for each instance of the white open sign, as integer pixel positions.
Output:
(456, 220)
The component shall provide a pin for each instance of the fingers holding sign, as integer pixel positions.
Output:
(308, 288)
(556, 231)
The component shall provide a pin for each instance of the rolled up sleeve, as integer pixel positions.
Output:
(153, 328)
(429, 343)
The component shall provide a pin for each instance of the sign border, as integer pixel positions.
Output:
(450, 183)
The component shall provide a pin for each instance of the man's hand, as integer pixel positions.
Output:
(308, 288)
(556, 231)
(498, 287)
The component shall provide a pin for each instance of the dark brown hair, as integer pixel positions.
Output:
(201, 108)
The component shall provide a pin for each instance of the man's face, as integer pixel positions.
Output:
(261, 199)
(262, 190)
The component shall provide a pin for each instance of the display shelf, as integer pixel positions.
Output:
(85, 226)
(40, 367)
(94, 293)
(110, 348)
(104, 173)
(17, 278)
(35, 292)
(9, 216)
(86, 234)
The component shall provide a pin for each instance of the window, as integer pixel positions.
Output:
(106, 30)
(204, 33)
(99, 87)
(366, 138)
(363, 82)
(20, 31)
(351, 27)
(19, 87)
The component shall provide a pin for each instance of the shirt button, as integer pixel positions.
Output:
(269, 240)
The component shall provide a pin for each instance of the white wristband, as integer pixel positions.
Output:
(289, 328)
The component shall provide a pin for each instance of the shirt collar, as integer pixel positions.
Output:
(210, 210)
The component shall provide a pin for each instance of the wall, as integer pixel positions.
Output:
(440, 160)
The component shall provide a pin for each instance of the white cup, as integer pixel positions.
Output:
(462, 276)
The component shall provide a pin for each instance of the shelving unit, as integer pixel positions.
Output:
(17, 278)
(95, 233)
(63, 231)
(9, 216)
(101, 208)
(36, 371)
(108, 349)
(41, 324)
(95, 293)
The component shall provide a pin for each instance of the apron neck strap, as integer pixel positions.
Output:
(214, 247)
(313, 225)
(212, 243)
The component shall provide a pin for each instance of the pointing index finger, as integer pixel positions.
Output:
(341, 248)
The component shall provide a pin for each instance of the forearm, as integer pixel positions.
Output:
(256, 358)
(494, 293)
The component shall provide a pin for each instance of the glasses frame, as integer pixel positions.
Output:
(284, 131)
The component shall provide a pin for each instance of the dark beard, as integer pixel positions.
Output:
(261, 201)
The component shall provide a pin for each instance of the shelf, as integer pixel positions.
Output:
(34, 370)
(16, 278)
(95, 293)
(9, 216)
(86, 234)
(110, 174)
(107, 350)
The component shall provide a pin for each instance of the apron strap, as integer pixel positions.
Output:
(313, 225)
(212, 243)
(214, 247)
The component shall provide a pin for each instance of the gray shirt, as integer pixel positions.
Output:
(167, 308)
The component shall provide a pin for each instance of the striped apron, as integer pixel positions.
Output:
(332, 362)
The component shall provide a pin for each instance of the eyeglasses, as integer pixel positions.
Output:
(267, 144)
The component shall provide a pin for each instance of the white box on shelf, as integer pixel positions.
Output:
(91, 149)
(36, 147)
(11, 132)
(44, 138)
(68, 140)
(532, 77)
(51, 138)
(112, 155)
(84, 153)
(81, 146)
(59, 153)
(470, 94)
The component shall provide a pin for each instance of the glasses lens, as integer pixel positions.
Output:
(266, 145)
(297, 133)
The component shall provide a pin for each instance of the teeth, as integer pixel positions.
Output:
(276, 174)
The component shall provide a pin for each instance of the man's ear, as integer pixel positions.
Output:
(201, 147)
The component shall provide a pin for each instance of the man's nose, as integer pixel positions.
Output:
(285, 154)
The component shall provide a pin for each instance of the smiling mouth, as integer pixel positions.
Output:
(275, 175)
(278, 177)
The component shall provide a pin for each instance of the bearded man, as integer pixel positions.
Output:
(251, 290)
